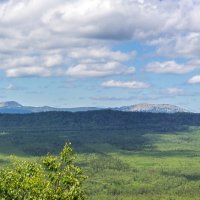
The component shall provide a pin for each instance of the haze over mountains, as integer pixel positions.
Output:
(15, 107)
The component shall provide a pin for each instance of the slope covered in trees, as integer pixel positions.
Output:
(39, 133)
(125, 155)
(104, 119)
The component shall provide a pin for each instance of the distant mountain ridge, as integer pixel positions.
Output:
(15, 107)
(153, 108)
(10, 104)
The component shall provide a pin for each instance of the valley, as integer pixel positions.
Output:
(125, 155)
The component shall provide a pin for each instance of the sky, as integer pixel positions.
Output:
(105, 53)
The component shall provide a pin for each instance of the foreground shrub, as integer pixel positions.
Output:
(56, 178)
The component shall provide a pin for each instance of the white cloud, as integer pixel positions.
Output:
(98, 69)
(52, 60)
(182, 45)
(105, 19)
(169, 67)
(195, 62)
(101, 53)
(18, 61)
(128, 84)
(57, 37)
(27, 71)
(33, 29)
(194, 79)
(107, 98)
(175, 91)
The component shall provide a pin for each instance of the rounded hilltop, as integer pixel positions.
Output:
(154, 108)
(11, 104)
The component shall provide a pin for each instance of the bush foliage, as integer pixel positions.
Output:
(56, 178)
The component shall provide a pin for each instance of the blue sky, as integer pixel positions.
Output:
(102, 53)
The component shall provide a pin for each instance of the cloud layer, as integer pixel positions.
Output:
(102, 44)
(170, 67)
(48, 38)
(128, 84)
(194, 79)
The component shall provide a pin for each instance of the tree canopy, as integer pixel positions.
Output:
(57, 177)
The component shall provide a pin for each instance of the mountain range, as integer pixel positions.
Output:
(15, 107)
(153, 108)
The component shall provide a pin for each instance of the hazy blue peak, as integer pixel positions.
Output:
(11, 104)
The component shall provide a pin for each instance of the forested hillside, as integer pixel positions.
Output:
(39, 133)
(125, 155)
(104, 119)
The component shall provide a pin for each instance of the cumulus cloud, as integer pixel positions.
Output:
(52, 60)
(175, 91)
(194, 79)
(56, 38)
(128, 84)
(55, 33)
(102, 54)
(98, 69)
(27, 71)
(170, 67)
(107, 98)
(105, 19)
(97, 62)
(178, 45)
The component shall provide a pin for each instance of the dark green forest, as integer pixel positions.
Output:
(125, 155)
(102, 119)
(122, 129)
